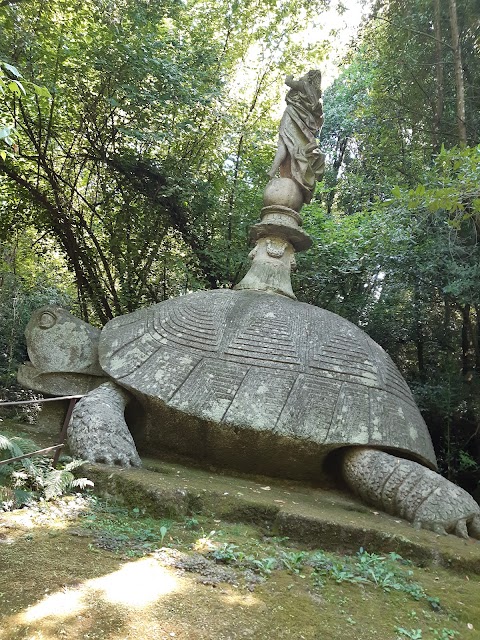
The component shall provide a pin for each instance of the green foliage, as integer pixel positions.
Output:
(28, 279)
(397, 220)
(12, 84)
(26, 481)
(293, 561)
(445, 634)
(444, 285)
(191, 524)
(125, 531)
(389, 573)
(143, 132)
(447, 198)
(413, 634)
(163, 533)
(417, 634)
(231, 554)
(145, 165)
(466, 462)
(228, 553)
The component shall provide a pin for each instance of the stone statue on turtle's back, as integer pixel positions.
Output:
(298, 155)
(250, 379)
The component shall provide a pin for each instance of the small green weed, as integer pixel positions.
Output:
(413, 634)
(191, 524)
(343, 573)
(293, 561)
(232, 555)
(228, 554)
(444, 634)
(163, 533)
(122, 530)
(263, 566)
(388, 573)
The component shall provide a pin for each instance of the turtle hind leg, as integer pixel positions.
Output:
(407, 489)
(474, 527)
(98, 431)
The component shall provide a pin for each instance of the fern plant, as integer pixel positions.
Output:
(25, 481)
(58, 481)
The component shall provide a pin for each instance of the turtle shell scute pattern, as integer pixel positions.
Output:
(265, 362)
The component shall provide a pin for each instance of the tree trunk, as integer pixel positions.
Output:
(476, 342)
(419, 334)
(459, 83)
(467, 347)
(440, 91)
(337, 163)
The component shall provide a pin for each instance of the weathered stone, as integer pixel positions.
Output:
(98, 431)
(58, 384)
(273, 258)
(283, 192)
(51, 416)
(257, 363)
(298, 156)
(268, 385)
(405, 488)
(300, 163)
(59, 342)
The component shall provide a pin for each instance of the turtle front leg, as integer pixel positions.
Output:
(98, 431)
(409, 490)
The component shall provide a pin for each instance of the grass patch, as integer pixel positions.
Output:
(228, 578)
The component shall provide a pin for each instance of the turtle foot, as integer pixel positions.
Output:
(407, 489)
(449, 509)
(463, 527)
(98, 431)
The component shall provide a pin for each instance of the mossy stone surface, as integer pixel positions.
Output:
(310, 515)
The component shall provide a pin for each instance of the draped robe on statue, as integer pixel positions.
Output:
(298, 155)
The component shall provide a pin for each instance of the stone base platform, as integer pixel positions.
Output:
(317, 518)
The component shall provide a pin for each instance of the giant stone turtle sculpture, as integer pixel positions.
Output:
(251, 378)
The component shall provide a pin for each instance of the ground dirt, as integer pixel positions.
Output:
(177, 552)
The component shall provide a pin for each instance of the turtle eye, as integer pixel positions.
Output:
(47, 320)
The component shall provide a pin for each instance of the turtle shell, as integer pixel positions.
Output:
(258, 370)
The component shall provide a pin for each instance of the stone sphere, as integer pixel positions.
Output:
(284, 192)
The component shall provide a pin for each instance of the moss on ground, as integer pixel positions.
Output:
(83, 568)
(174, 552)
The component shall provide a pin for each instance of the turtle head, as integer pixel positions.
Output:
(59, 342)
